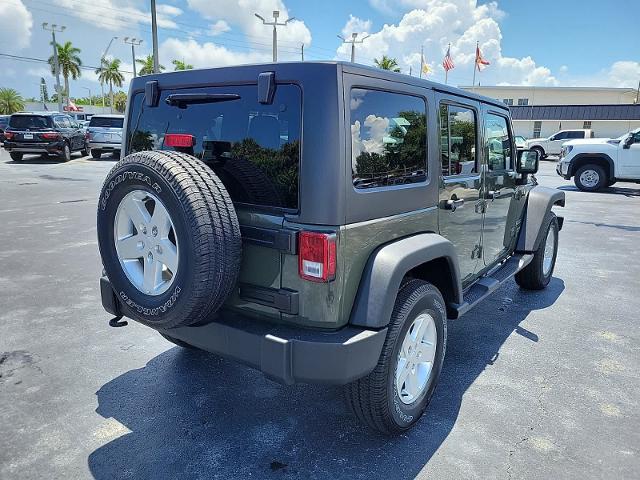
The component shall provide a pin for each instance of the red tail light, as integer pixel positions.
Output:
(179, 140)
(9, 135)
(317, 256)
(50, 136)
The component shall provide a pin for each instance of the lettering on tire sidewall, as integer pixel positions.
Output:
(151, 311)
(126, 176)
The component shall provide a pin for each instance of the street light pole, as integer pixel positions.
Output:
(133, 42)
(353, 42)
(275, 24)
(154, 35)
(56, 64)
(90, 101)
(104, 54)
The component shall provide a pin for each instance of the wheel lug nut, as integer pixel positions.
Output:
(158, 249)
(143, 229)
(150, 257)
(154, 231)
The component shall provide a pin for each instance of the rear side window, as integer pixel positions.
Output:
(254, 148)
(575, 134)
(106, 122)
(388, 139)
(458, 134)
(32, 122)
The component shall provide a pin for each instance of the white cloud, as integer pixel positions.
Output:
(356, 25)
(219, 27)
(240, 13)
(118, 15)
(16, 23)
(436, 23)
(207, 54)
(624, 74)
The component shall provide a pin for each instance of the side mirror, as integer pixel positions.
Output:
(528, 161)
(630, 140)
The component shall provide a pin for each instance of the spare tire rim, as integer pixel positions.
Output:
(415, 358)
(146, 242)
(549, 251)
(589, 178)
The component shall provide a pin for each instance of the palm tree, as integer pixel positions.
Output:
(110, 73)
(147, 65)
(70, 64)
(181, 65)
(387, 63)
(120, 102)
(10, 101)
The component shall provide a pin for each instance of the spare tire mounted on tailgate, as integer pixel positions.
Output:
(169, 238)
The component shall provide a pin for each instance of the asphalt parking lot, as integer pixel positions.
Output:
(535, 384)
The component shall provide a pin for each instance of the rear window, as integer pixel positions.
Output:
(575, 134)
(253, 148)
(32, 122)
(106, 122)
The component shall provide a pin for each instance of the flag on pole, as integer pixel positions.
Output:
(447, 63)
(425, 66)
(480, 61)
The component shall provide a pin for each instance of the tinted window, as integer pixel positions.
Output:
(498, 142)
(575, 134)
(62, 122)
(560, 136)
(458, 132)
(388, 139)
(106, 122)
(253, 148)
(32, 122)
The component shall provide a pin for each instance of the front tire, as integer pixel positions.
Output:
(590, 178)
(538, 273)
(15, 156)
(393, 397)
(169, 238)
(540, 151)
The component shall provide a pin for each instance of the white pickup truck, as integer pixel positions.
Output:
(553, 144)
(601, 162)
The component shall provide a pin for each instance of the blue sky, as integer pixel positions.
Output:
(542, 42)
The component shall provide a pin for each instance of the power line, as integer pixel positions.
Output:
(42, 60)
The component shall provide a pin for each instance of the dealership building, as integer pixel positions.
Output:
(542, 111)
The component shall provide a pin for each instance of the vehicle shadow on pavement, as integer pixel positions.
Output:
(195, 415)
(627, 192)
(35, 161)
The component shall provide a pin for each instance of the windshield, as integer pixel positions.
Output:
(106, 122)
(32, 122)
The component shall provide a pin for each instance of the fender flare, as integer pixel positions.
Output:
(539, 203)
(386, 268)
(581, 158)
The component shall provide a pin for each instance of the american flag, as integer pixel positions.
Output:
(447, 63)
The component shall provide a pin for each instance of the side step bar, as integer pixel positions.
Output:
(488, 284)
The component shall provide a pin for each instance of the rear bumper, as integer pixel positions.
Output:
(284, 354)
(105, 146)
(51, 148)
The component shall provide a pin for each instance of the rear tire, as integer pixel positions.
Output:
(590, 178)
(96, 153)
(86, 151)
(66, 153)
(538, 273)
(15, 156)
(198, 262)
(382, 400)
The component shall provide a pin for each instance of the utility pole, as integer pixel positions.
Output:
(56, 64)
(154, 34)
(133, 42)
(302, 51)
(353, 42)
(421, 59)
(275, 24)
(638, 94)
(104, 54)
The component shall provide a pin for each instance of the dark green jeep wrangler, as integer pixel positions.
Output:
(320, 222)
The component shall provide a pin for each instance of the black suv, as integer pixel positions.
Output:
(45, 133)
(4, 120)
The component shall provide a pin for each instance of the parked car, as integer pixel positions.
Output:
(553, 144)
(104, 134)
(223, 231)
(46, 133)
(598, 163)
(4, 120)
(520, 141)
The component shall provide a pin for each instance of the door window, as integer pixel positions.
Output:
(388, 138)
(62, 122)
(559, 136)
(458, 133)
(498, 142)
